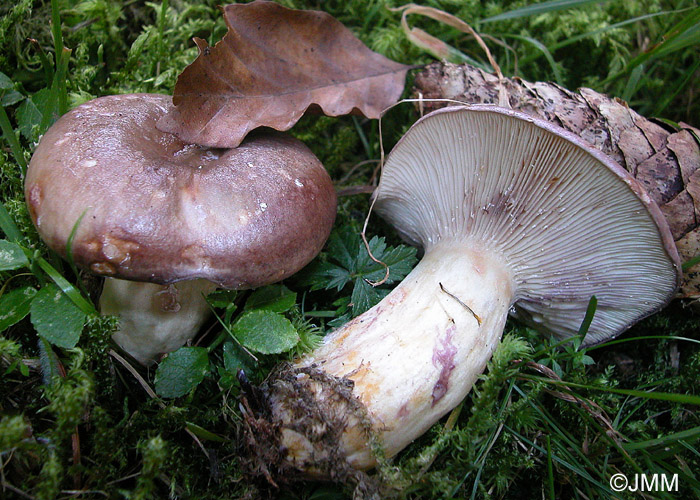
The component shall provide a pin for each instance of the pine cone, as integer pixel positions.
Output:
(665, 160)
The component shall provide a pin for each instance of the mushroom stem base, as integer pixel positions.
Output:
(155, 319)
(323, 406)
(392, 372)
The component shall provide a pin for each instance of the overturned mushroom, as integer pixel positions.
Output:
(515, 216)
(175, 219)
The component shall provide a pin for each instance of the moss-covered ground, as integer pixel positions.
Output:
(544, 422)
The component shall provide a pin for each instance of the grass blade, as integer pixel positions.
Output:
(588, 318)
(8, 226)
(69, 254)
(203, 433)
(540, 8)
(695, 260)
(544, 51)
(46, 64)
(665, 441)
(60, 82)
(633, 83)
(71, 291)
(662, 396)
(600, 31)
(650, 337)
(555, 458)
(684, 34)
(56, 32)
(559, 431)
(11, 138)
(569, 41)
(689, 448)
(550, 471)
(58, 93)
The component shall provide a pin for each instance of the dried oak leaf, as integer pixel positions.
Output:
(270, 68)
(665, 161)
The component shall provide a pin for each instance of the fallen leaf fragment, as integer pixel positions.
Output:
(271, 67)
(665, 161)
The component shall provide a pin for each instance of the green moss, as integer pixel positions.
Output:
(17, 21)
(70, 397)
(496, 446)
(154, 453)
(50, 477)
(13, 430)
(10, 181)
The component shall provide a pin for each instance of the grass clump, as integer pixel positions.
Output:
(544, 421)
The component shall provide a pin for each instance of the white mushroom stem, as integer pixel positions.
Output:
(412, 358)
(155, 319)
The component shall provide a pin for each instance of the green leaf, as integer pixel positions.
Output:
(266, 332)
(203, 433)
(11, 256)
(5, 82)
(221, 298)
(8, 225)
(181, 371)
(226, 380)
(236, 359)
(349, 261)
(364, 263)
(342, 247)
(364, 296)
(14, 306)
(48, 361)
(8, 94)
(32, 112)
(400, 260)
(10, 98)
(326, 276)
(56, 318)
(276, 298)
(224, 299)
(23, 369)
(343, 312)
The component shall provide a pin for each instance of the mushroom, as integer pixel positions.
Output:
(514, 215)
(176, 220)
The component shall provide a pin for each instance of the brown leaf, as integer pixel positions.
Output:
(272, 65)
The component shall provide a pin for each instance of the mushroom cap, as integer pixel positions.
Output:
(569, 222)
(149, 207)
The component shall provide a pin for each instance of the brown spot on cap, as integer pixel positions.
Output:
(103, 268)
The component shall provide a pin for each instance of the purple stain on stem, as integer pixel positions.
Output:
(443, 358)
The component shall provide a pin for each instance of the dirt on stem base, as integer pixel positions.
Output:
(293, 427)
